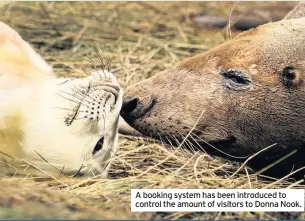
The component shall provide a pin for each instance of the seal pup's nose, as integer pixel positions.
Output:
(134, 108)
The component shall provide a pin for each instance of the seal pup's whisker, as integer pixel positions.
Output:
(95, 67)
(82, 93)
(66, 109)
(77, 99)
(78, 171)
(61, 171)
(100, 60)
(69, 99)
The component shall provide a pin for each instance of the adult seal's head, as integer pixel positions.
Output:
(59, 124)
(240, 97)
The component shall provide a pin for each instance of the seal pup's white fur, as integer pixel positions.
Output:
(58, 120)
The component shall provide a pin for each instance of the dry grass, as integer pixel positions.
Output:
(141, 39)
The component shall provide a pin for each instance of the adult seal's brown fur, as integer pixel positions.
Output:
(242, 96)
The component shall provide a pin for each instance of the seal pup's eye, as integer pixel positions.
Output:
(235, 79)
(98, 146)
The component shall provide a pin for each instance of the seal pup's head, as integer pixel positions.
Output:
(56, 123)
(240, 97)
(74, 122)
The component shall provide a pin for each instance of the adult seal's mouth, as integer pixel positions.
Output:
(126, 129)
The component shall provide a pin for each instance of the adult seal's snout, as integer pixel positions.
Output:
(135, 107)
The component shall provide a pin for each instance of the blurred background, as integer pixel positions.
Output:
(140, 39)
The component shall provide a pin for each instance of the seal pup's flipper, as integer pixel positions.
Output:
(19, 63)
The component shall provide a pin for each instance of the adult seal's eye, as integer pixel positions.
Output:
(236, 80)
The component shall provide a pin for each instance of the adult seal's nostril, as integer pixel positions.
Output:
(129, 105)
(134, 108)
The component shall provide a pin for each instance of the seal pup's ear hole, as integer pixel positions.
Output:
(291, 77)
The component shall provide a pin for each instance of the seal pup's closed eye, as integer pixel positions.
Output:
(55, 123)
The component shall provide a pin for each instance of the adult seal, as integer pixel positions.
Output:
(56, 124)
(234, 100)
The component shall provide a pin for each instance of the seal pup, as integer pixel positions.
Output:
(55, 123)
(236, 99)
